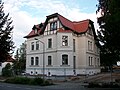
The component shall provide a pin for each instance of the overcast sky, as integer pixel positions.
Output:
(26, 13)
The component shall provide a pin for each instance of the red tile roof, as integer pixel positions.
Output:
(32, 33)
(10, 59)
(61, 30)
(81, 26)
(78, 27)
(66, 22)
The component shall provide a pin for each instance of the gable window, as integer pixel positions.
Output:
(32, 60)
(37, 45)
(89, 45)
(36, 60)
(35, 31)
(49, 60)
(32, 46)
(90, 30)
(53, 25)
(50, 43)
(64, 40)
(64, 59)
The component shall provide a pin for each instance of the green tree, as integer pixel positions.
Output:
(6, 43)
(109, 32)
(7, 70)
(20, 59)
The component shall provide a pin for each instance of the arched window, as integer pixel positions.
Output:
(64, 59)
(32, 60)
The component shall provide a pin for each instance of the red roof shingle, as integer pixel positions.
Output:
(81, 26)
(61, 30)
(76, 26)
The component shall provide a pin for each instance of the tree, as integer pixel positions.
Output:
(6, 43)
(109, 32)
(7, 70)
(20, 59)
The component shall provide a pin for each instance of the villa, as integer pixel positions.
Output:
(62, 47)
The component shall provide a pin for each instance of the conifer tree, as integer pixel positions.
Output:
(6, 42)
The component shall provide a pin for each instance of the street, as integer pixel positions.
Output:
(61, 86)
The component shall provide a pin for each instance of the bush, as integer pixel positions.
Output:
(18, 80)
(29, 81)
(93, 85)
(117, 80)
(36, 81)
(103, 85)
(7, 71)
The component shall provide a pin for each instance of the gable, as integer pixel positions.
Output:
(90, 31)
(52, 26)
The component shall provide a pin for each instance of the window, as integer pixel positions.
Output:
(64, 59)
(32, 60)
(89, 45)
(64, 40)
(36, 31)
(32, 46)
(49, 43)
(49, 60)
(36, 60)
(90, 61)
(37, 45)
(90, 30)
(0, 63)
(98, 62)
(95, 62)
(74, 62)
(53, 25)
(73, 45)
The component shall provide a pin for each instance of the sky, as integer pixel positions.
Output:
(26, 13)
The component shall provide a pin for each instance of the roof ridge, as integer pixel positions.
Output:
(65, 18)
(81, 21)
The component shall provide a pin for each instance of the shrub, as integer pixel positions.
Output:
(18, 80)
(103, 85)
(93, 84)
(30, 81)
(7, 71)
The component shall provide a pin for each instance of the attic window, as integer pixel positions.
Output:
(35, 31)
(53, 25)
(90, 30)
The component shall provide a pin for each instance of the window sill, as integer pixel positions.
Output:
(49, 65)
(65, 46)
(49, 48)
(34, 65)
(64, 65)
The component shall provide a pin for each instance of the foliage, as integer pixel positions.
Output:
(20, 63)
(7, 70)
(28, 81)
(6, 43)
(103, 85)
(109, 32)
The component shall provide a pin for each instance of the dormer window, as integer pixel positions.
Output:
(35, 31)
(53, 25)
(90, 30)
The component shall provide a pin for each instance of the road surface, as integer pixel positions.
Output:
(62, 86)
